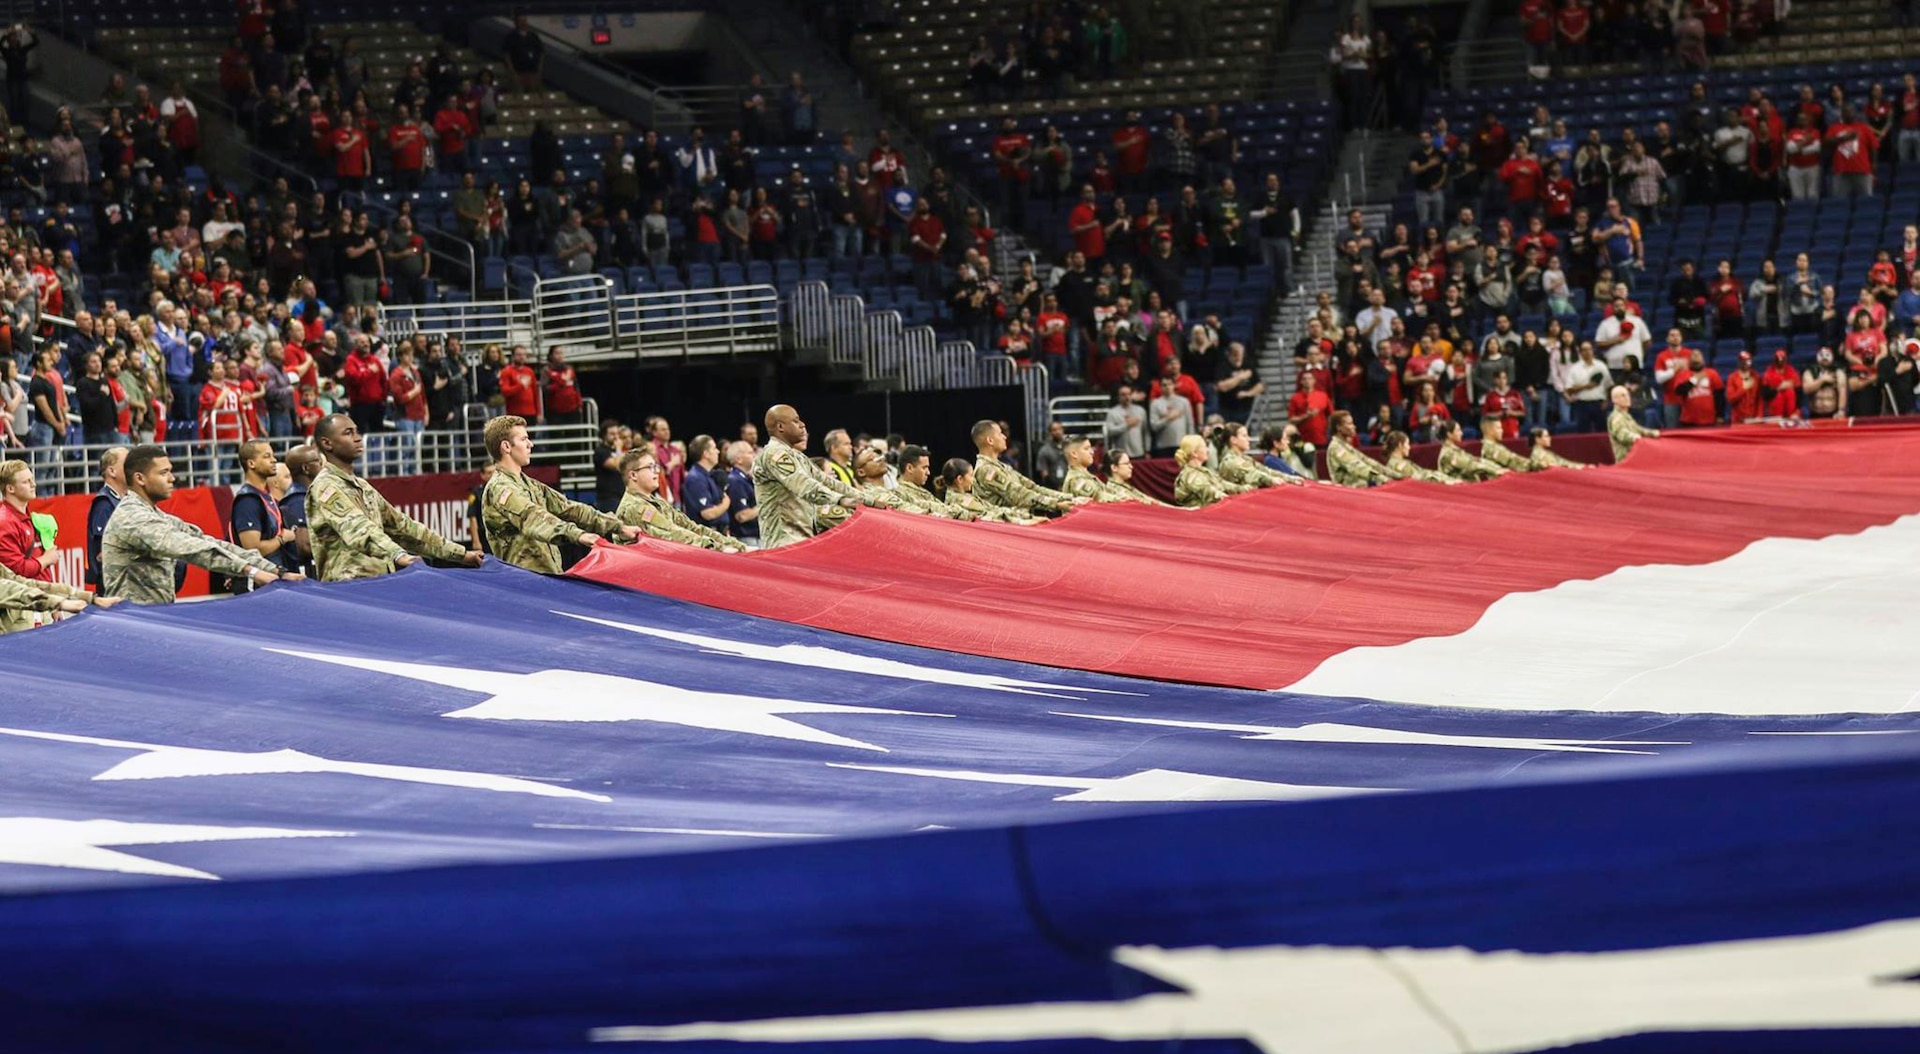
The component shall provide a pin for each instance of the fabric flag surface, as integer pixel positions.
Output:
(490, 811)
(1703, 555)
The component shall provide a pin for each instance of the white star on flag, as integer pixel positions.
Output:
(80, 844)
(819, 658)
(1149, 785)
(576, 695)
(1326, 1000)
(1362, 734)
(158, 761)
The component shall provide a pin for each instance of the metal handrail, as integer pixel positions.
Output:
(1080, 414)
(575, 311)
(686, 323)
(72, 469)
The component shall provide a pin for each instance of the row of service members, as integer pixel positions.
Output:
(354, 532)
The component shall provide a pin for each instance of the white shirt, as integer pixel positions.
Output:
(1634, 344)
(1579, 373)
(1376, 324)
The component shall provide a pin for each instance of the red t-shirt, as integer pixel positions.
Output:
(563, 393)
(1574, 22)
(1675, 358)
(366, 381)
(1509, 407)
(453, 127)
(320, 129)
(1522, 176)
(351, 162)
(1855, 156)
(1799, 137)
(888, 167)
(929, 230)
(1130, 148)
(1093, 240)
(1697, 389)
(1743, 395)
(1537, 17)
(517, 387)
(409, 146)
(1053, 340)
(1319, 409)
(1558, 194)
(1005, 149)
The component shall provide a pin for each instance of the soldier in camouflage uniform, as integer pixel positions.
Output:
(141, 543)
(959, 476)
(997, 483)
(870, 470)
(795, 498)
(1400, 466)
(355, 532)
(916, 467)
(642, 507)
(1120, 474)
(1236, 467)
(1622, 429)
(1082, 483)
(1456, 462)
(525, 519)
(1197, 484)
(20, 596)
(1345, 463)
(1496, 452)
(1543, 456)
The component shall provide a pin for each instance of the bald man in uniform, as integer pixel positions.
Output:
(795, 498)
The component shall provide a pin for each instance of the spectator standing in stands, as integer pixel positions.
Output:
(520, 387)
(1353, 59)
(743, 521)
(409, 392)
(525, 54)
(16, 49)
(366, 380)
(1279, 228)
(113, 487)
(99, 412)
(574, 245)
(1854, 147)
(1310, 410)
(703, 493)
(926, 241)
(1428, 166)
(47, 395)
(1125, 427)
(1586, 384)
(1012, 154)
(560, 384)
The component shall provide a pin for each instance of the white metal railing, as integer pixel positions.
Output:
(1033, 383)
(1080, 415)
(74, 469)
(698, 322)
(847, 331)
(809, 316)
(477, 324)
(924, 371)
(886, 346)
(575, 311)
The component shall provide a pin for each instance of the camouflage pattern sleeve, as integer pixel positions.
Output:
(329, 505)
(1624, 431)
(415, 536)
(1498, 453)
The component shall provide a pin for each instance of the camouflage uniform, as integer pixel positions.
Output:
(1624, 431)
(526, 520)
(1350, 468)
(928, 502)
(141, 543)
(977, 509)
(1198, 485)
(1544, 458)
(997, 483)
(1136, 494)
(356, 533)
(1500, 454)
(659, 518)
(1083, 484)
(879, 496)
(15, 617)
(1401, 466)
(794, 497)
(1236, 467)
(1454, 461)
